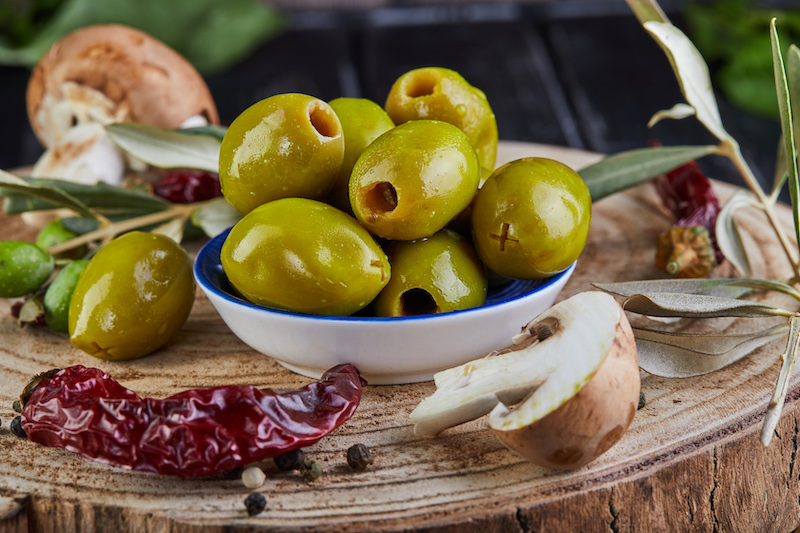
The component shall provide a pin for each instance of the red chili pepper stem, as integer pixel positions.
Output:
(34, 382)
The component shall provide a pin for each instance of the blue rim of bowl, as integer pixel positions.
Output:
(209, 274)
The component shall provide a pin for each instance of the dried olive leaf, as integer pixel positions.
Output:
(647, 10)
(692, 73)
(59, 198)
(727, 233)
(32, 311)
(698, 306)
(775, 407)
(682, 355)
(215, 217)
(677, 112)
(101, 197)
(172, 228)
(725, 287)
(627, 169)
(165, 148)
(785, 111)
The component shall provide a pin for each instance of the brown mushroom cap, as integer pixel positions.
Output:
(149, 82)
(592, 421)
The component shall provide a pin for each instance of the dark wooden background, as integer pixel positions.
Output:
(576, 73)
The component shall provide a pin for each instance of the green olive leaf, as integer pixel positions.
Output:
(647, 11)
(100, 197)
(215, 216)
(627, 169)
(692, 73)
(683, 355)
(212, 130)
(677, 112)
(793, 81)
(56, 197)
(165, 148)
(785, 111)
(698, 306)
(781, 174)
(727, 233)
(723, 287)
(775, 407)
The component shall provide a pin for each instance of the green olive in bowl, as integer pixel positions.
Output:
(284, 146)
(305, 256)
(132, 297)
(437, 274)
(414, 179)
(531, 218)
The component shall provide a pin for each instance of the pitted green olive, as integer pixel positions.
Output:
(305, 256)
(434, 275)
(531, 218)
(132, 297)
(363, 121)
(414, 179)
(284, 146)
(437, 93)
(24, 267)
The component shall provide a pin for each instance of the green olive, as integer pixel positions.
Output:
(414, 179)
(284, 146)
(305, 256)
(24, 267)
(55, 232)
(442, 94)
(132, 297)
(434, 275)
(531, 218)
(362, 121)
(59, 293)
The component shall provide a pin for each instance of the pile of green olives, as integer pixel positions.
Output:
(350, 207)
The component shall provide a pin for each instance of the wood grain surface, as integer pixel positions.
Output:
(691, 461)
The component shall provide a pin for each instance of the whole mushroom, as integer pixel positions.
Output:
(114, 73)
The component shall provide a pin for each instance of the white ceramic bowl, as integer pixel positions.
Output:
(385, 350)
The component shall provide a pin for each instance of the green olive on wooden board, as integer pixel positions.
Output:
(284, 146)
(414, 179)
(59, 293)
(438, 93)
(305, 256)
(24, 267)
(437, 274)
(132, 297)
(362, 121)
(531, 218)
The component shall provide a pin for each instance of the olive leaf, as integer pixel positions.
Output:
(100, 197)
(723, 287)
(627, 169)
(677, 112)
(785, 111)
(781, 174)
(56, 197)
(215, 216)
(727, 233)
(165, 148)
(692, 73)
(775, 407)
(173, 229)
(698, 306)
(647, 10)
(32, 311)
(212, 130)
(683, 355)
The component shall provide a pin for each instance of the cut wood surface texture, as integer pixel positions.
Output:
(691, 461)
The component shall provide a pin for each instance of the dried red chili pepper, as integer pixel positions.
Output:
(187, 186)
(194, 433)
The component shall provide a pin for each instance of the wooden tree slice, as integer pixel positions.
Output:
(691, 461)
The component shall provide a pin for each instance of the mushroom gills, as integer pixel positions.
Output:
(544, 374)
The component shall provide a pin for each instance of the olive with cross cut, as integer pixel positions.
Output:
(531, 218)
(132, 298)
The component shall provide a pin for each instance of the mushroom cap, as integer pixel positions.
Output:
(139, 78)
(590, 422)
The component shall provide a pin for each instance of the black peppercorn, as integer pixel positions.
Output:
(255, 503)
(642, 401)
(16, 428)
(17, 406)
(310, 469)
(289, 460)
(359, 456)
